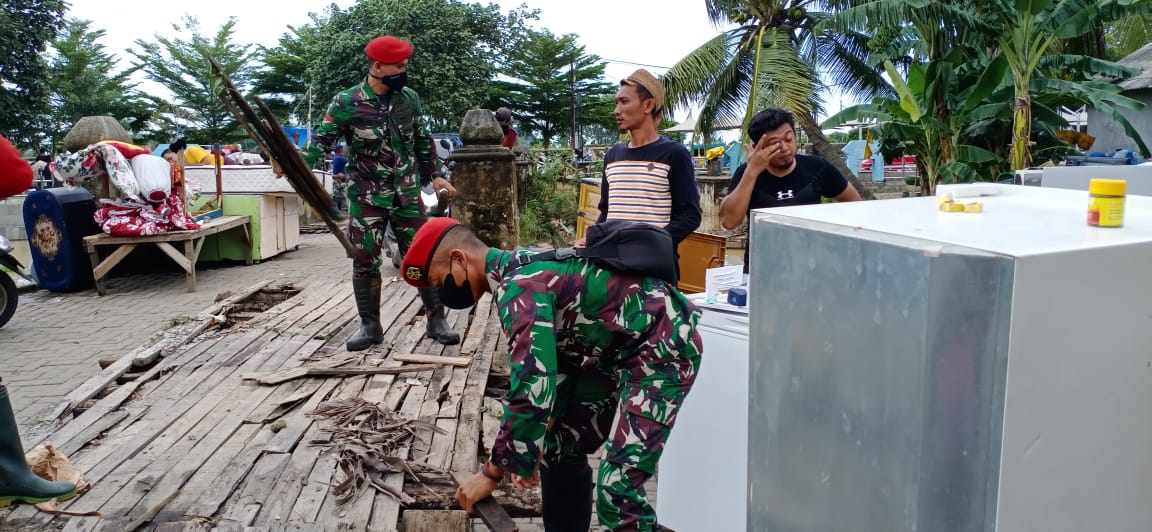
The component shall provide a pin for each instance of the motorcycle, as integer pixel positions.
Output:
(8, 291)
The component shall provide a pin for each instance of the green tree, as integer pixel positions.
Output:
(769, 59)
(26, 28)
(552, 81)
(283, 82)
(456, 50)
(182, 67)
(85, 82)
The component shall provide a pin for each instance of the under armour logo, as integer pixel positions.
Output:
(782, 195)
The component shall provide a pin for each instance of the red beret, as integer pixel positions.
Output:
(388, 50)
(423, 248)
(15, 172)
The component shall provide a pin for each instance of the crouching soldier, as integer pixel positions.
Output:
(597, 357)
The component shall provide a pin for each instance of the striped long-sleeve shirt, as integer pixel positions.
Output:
(655, 184)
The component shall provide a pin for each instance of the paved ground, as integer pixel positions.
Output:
(53, 342)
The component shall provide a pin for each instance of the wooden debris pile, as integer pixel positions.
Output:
(367, 437)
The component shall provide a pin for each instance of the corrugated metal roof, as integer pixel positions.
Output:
(1141, 59)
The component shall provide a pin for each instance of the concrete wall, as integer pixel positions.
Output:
(1110, 136)
(12, 218)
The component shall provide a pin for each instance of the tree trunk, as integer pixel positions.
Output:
(825, 149)
(1021, 155)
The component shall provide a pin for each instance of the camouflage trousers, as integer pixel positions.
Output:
(368, 223)
(631, 407)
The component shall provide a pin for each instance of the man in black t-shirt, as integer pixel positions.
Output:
(780, 177)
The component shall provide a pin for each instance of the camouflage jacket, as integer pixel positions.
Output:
(573, 309)
(388, 140)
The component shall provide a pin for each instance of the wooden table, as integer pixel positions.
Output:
(193, 242)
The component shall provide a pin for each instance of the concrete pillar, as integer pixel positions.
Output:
(525, 170)
(485, 179)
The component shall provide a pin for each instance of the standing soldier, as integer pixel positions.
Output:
(382, 122)
(586, 346)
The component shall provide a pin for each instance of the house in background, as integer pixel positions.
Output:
(1109, 135)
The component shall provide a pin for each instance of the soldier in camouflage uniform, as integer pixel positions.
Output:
(388, 143)
(594, 355)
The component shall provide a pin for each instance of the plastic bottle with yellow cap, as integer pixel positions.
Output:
(1106, 202)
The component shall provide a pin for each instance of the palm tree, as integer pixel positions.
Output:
(773, 55)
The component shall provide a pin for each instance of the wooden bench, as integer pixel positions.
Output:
(193, 242)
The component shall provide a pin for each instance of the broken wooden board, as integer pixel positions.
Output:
(280, 377)
(459, 362)
(190, 445)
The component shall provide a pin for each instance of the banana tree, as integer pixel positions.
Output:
(908, 32)
(1031, 28)
(768, 58)
(911, 118)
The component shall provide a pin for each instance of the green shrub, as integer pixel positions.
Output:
(550, 212)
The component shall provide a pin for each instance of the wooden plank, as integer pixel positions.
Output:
(490, 421)
(179, 258)
(101, 270)
(233, 417)
(161, 433)
(141, 356)
(293, 479)
(432, 359)
(217, 494)
(180, 462)
(208, 492)
(296, 423)
(283, 400)
(222, 462)
(312, 496)
(245, 507)
(211, 227)
(63, 437)
(280, 377)
(465, 451)
(376, 510)
(435, 521)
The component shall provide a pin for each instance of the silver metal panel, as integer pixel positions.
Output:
(876, 380)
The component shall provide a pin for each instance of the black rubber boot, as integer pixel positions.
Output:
(436, 319)
(367, 291)
(566, 497)
(17, 482)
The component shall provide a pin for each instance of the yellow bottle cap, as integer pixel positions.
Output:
(1108, 187)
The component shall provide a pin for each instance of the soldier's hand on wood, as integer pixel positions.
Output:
(474, 490)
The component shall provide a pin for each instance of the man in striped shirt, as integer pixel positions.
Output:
(650, 178)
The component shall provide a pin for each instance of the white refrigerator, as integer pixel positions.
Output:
(702, 474)
(916, 370)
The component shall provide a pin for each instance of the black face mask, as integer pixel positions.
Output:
(395, 82)
(457, 297)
